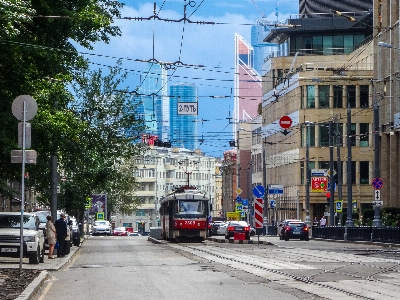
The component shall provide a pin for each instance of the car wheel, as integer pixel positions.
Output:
(35, 259)
(227, 237)
(286, 238)
(307, 238)
(252, 233)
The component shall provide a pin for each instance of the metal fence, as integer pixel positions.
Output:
(355, 233)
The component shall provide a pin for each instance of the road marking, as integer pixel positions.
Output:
(46, 289)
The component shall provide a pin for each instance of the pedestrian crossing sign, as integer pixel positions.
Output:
(100, 216)
(339, 205)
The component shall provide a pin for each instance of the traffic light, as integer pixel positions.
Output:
(328, 197)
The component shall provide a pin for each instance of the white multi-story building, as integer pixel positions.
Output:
(158, 172)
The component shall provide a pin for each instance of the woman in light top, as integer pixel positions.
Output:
(51, 236)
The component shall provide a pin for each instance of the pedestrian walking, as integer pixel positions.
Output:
(61, 229)
(51, 236)
(322, 222)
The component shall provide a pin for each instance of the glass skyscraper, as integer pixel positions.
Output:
(261, 49)
(153, 96)
(183, 128)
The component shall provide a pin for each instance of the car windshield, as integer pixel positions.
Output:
(191, 207)
(120, 229)
(14, 221)
(43, 216)
(100, 223)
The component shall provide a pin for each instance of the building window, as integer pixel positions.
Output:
(310, 96)
(338, 47)
(364, 134)
(308, 134)
(352, 134)
(317, 45)
(302, 172)
(324, 135)
(364, 96)
(364, 172)
(348, 44)
(353, 172)
(323, 95)
(351, 96)
(328, 45)
(337, 96)
(140, 213)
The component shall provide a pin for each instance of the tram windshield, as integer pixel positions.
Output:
(197, 208)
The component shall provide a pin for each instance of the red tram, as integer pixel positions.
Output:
(184, 215)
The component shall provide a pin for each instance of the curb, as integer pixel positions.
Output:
(239, 241)
(33, 287)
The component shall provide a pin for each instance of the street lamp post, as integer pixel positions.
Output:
(308, 174)
(308, 179)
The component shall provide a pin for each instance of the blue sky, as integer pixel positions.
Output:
(208, 45)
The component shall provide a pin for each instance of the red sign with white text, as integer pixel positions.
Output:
(319, 184)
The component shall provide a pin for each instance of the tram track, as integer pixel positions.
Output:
(319, 273)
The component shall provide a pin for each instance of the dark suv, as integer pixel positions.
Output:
(296, 230)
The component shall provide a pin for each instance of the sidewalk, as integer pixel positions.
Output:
(45, 267)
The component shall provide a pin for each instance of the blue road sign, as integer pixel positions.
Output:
(238, 199)
(271, 203)
(258, 191)
(245, 202)
(329, 186)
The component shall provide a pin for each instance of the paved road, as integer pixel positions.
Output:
(133, 267)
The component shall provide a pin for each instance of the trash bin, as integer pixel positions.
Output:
(239, 236)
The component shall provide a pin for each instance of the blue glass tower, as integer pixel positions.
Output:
(183, 128)
(261, 49)
(155, 104)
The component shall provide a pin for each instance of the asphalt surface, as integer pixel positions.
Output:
(58, 263)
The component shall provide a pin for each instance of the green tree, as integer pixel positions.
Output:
(100, 157)
(39, 59)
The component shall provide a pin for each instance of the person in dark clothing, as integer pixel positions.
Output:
(61, 229)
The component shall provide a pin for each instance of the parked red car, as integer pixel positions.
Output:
(120, 231)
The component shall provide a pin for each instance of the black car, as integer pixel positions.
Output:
(237, 227)
(296, 230)
(282, 225)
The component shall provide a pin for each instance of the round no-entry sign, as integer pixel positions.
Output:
(285, 122)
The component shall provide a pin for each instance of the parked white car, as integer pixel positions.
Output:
(10, 233)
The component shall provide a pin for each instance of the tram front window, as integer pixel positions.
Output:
(191, 208)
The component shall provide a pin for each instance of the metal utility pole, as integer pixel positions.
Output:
(308, 179)
(339, 169)
(377, 209)
(265, 186)
(331, 181)
(350, 221)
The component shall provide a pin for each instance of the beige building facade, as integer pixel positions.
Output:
(315, 88)
(386, 96)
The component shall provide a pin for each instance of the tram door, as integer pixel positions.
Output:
(171, 219)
